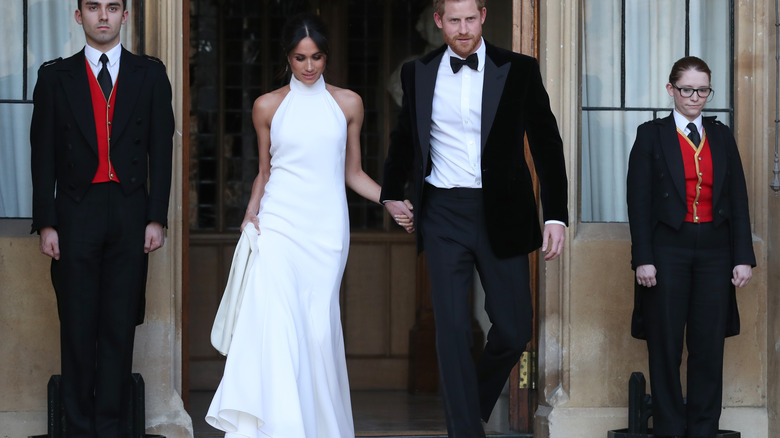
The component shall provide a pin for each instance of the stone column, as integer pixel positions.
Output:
(159, 340)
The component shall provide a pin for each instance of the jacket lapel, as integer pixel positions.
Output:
(425, 83)
(492, 89)
(670, 144)
(75, 82)
(128, 85)
(718, 152)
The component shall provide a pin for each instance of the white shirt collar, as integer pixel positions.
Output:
(682, 123)
(480, 55)
(93, 55)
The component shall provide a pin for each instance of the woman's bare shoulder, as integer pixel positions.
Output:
(349, 101)
(268, 103)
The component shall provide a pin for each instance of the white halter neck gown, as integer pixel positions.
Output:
(286, 373)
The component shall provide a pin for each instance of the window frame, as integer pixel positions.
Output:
(728, 112)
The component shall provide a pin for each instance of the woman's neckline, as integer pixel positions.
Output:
(300, 87)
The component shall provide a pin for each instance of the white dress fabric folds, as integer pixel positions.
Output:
(286, 373)
(227, 313)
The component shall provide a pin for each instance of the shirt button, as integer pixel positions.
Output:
(699, 158)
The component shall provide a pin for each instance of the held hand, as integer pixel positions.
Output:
(645, 275)
(50, 243)
(408, 221)
(401, 211)
(154, 238)
(742, 275)
(405, 222)
(553, 238)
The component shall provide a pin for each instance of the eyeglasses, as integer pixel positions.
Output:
(688, 92)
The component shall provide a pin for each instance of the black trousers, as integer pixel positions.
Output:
(99, 281)
(691, 301)
(455, 239)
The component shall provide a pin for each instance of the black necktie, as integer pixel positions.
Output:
(104, 77)
(694, 134)
(456, 63)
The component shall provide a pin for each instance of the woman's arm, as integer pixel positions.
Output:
(262, 113)
(354, 176)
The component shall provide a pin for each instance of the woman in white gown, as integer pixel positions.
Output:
(286, 374)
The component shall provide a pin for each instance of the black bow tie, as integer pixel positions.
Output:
(456, 63)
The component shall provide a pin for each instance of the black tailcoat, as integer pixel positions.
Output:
(100, 277)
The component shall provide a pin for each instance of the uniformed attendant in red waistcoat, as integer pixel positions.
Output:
(101, 140)
(691, 245)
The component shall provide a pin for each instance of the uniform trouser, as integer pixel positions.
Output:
(455, 238)
(99, 281)
(691, 301)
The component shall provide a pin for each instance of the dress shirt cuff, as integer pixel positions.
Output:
(555, 222)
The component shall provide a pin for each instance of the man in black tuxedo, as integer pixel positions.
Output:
(102, 129)
(465, 111)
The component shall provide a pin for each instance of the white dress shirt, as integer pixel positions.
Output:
(456, 125)
(682, 123)
(456, 122)
(93, 56)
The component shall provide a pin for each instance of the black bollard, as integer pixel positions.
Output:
(640, 409)
(55, 412)
(136, 413)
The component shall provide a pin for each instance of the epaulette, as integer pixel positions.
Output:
(52, 62)
(152, 58)
(714, 120)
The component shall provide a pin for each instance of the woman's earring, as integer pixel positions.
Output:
(286, 68)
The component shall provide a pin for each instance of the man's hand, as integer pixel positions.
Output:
(154, 238)
(645, 275)
(401, 211)
(50, 242)
(552, 240)
(742, 275)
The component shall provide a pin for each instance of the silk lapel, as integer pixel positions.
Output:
(425, 84)
(718, 152)
(670, 144)
(75, 82)
(492, 89)
(128, 86)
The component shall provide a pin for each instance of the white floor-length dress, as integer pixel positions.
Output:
(286, 373)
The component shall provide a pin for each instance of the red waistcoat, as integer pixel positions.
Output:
(104, 114)
(698, 178)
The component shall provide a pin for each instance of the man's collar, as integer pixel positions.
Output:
(480, 54)
(93, 55)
